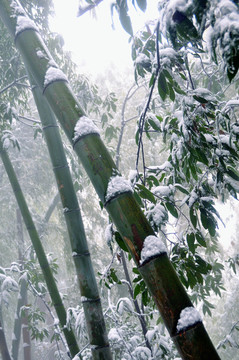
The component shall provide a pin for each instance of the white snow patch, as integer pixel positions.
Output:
(193, 198)
(24, 23)
(56, 321)
(152, 246)
(158, 213)
(188, 316)
(25, 345)
(124, 304)
(133, 175)
(54, 74)
(209, 138)
(85, 126)
(85, 299)
(142, 352)
(150, 333)
(163, 190)
(230, 104)
(117, 185)
(142, 59)
(114, 335)
(108, 233)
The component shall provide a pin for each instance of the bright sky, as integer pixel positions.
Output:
(91, 39)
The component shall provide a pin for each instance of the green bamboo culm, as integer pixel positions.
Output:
(41, 256)
(167, 291)
(3, 344)
(88, 287)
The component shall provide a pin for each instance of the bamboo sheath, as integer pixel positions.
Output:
(41, 256)
(88, 287)
(193, 343)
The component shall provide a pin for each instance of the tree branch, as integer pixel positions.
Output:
(82, 10)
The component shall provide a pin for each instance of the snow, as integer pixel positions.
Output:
(133, 175)
(17, 8)
(164, 166)
(230, 104)
(163, 190)
(54, 74)
(24, 23)
(209, 138)
(76, 357)
(6, 144)
(84, 126)
(150, 333)
(25, 345)
(117, 185)
(188, 317)
(124, 304)
(113, 335)
(152, 246)
(141, 59)
(108, 233)
(167, 55)
(86, 299)
(158, 213)
(9, 284)
(193, 198)
(142, 352)
(74, 253)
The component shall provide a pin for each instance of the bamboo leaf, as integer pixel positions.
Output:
(172, 209)
(162, 86)
(120, 241)
(191, 242)
(142, 4)
(193, 217)
(182, 189)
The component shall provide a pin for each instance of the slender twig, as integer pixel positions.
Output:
(29, 119)
(146, 108)
(14, 83)
(38, 294)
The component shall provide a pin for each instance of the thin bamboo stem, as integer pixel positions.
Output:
(49, 278)
(85, 274)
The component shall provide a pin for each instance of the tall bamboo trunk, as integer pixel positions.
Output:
(36, 242)
(3, 344)
(86, 278)
(167, 291)
(20, 322)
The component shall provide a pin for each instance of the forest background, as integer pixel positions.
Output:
(177, 145)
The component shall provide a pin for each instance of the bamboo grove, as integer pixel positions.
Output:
(159, 275)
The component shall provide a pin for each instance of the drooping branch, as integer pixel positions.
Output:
(82, 10)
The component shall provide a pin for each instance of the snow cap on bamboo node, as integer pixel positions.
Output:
(152, 246)
(22, 20)
(85, 126)
(188, 317)
(117, 185)
(53, 74)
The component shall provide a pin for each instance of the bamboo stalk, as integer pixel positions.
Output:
(85, 274)
(122, 207)
(3, 344)
(36, 242)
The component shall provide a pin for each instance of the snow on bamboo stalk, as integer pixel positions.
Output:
(36, 242)
(158, 273)
(88, 287)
